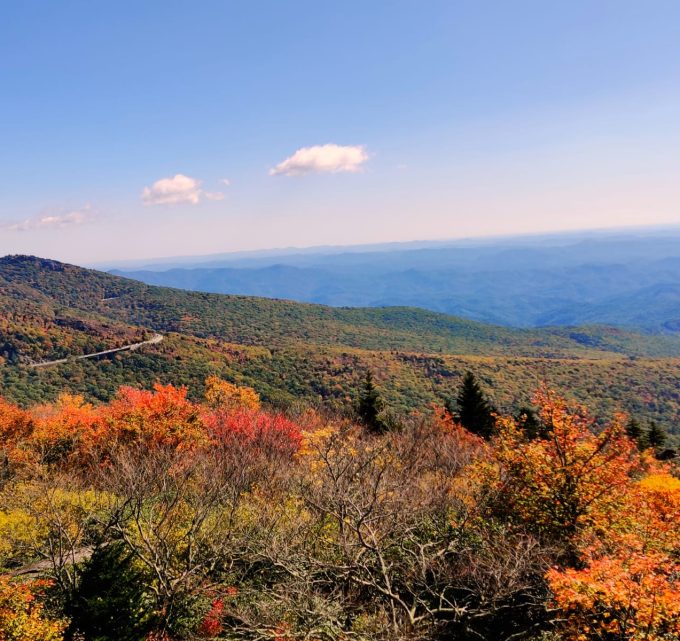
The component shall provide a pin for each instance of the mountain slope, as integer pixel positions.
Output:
(259, 321)
(292, 352)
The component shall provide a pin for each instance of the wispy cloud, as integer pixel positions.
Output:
(59, 220)
(322, 159)
(178, 190)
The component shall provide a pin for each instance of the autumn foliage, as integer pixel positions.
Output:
(616, 514)
(220, 519)
(71, 431)
(628, 586)
(22, 614)
(569, 482)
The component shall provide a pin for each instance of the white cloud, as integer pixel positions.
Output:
(226, 182)
(173, 191)
(322, 159)
(178, 190)
(60, 220)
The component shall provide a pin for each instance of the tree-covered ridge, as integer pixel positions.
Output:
(49, 310)
(274, 323)
(154, 517)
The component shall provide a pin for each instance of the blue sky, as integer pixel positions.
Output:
(333, 122)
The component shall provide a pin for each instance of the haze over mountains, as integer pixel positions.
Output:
(628, 278)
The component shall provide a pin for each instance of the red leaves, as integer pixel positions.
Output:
(72, 432)
(211, 625)
(253, 426)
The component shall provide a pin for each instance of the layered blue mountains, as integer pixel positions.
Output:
(628, 278)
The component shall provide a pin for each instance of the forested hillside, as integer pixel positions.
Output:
(295, 352)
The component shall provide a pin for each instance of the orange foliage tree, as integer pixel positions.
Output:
(22, 617)
(64, 428)
(164, 416)
(629, 585)
(571, 481)
(614, 516)
(16, 428)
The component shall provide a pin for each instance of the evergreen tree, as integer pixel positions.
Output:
(656, 435)
(474, 412)
(530, 423)
(635, 433)
(111, 603)
(371, 406)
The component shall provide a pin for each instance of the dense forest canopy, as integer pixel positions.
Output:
(268, 470)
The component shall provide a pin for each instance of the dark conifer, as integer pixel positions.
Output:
(371, 406)
(473, 410)
(530, 423)
(656, 435)
(110, 601)
(635, 433)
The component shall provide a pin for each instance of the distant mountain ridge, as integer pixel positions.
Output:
(617, 280)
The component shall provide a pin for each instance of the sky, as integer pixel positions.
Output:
(143, 129)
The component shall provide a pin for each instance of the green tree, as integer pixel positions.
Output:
(530, 423)
(656, 435)
(371, 406)
(473, 411)
(635, 433)
(111, 603)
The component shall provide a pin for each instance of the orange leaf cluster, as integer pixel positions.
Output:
(22, 616)
(72, 432)
(572, 480)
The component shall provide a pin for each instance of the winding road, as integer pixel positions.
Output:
(155, 339)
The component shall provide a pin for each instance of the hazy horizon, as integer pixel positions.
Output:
(420, 243)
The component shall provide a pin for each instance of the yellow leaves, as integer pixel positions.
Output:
(317, 441)
(655, 510)
(663, 484)
(310, 438)
(221, 394)
(18, 534)
(31, 513)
